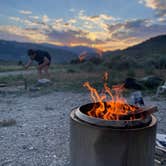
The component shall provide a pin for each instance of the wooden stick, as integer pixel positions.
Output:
(140, 112)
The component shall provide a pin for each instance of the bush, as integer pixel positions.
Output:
(77, 61)
(162, 62)
(71, 71)
(131, 73)
(149, 70)
(96, 60)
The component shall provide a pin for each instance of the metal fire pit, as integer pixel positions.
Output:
(98, 142)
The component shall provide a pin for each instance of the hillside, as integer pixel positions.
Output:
(74, 49)
(15, 51)
(151, 52)
(12, 51)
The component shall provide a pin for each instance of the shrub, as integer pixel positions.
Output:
(131, 73)
(149, 70)
(71, 71)
(96, 60)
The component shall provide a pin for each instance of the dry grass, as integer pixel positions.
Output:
(74, 81)
(72, 77)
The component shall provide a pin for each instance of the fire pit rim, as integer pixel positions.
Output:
(137, 123)
(105, 127)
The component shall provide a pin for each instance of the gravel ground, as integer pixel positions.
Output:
(41, 134)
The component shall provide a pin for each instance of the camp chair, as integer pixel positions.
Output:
(161, 89)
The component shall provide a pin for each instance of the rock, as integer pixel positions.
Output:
(3, 84)
(24, 146)
(8, 122)
(34, 89)
(132, 83)
(48, 108)
(43, 81)
(31, 148)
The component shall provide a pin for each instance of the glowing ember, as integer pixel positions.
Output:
(111, 105)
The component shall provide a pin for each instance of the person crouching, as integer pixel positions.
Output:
(44, 60)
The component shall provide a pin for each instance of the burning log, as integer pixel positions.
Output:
(140, 112)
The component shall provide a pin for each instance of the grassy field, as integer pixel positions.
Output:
(71, 77)
(7, 68)
(4, 68)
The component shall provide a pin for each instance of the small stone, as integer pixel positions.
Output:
(54, 156)
(31, 148)
(24, 146)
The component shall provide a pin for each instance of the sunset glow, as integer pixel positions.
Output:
(81, 23)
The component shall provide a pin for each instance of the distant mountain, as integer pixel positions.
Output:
(75, 49)
(155, 45)
(15, 51)
(148, 52)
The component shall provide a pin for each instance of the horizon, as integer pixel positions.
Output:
(106, 26)
(29, 42)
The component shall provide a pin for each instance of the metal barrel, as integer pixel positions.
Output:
(95, 145)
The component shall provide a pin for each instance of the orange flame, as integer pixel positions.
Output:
(111, 104)
(106, 76)
(82, 56)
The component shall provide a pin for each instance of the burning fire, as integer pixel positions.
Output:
(100, 52)
(82, 56)
(110, 104)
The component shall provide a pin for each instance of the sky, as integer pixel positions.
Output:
(102, 24)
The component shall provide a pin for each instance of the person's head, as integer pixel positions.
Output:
(31, 53)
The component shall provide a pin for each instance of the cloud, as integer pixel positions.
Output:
(72, 21)
(140, 29)
(25, 12)
(17, 19)
(101, 31)
(72, 10)
(34, 17)
(27, 22)
(96, 18)
(25, 34)
(95, 22)
(45, 18)
(155, 4)
(158, 5)
(69, 37)
(5, 34)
